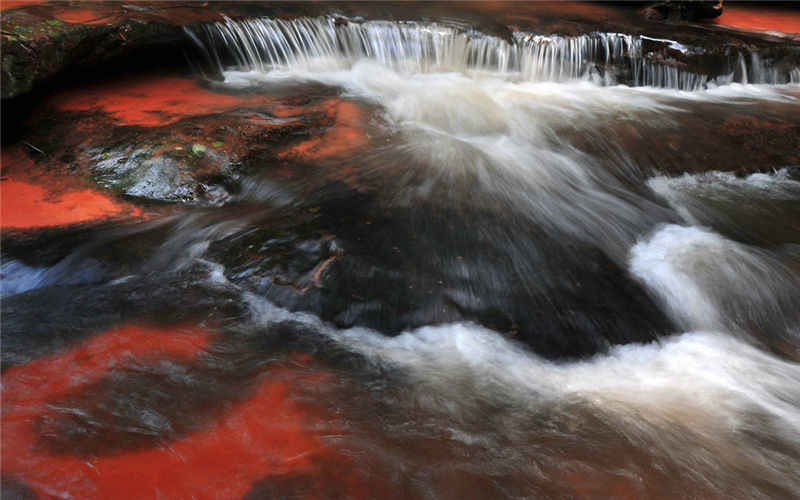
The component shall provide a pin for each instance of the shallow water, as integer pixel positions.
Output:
(481, 271)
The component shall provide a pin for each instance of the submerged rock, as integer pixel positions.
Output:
(349, 262)
(161, 171)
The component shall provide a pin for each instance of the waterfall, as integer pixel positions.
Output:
(415, 47)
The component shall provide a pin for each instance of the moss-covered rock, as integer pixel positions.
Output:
(44, 39)
(36, 48)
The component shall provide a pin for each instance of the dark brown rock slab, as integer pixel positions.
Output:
(41, 40)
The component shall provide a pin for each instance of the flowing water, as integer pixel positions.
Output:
(543, 266)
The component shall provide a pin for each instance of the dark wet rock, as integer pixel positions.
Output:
(165, 172)
(44, 320)
(744, 140)
(37, 46)
(15, 490)
(195, 160)
(32, 50)
(44, 39)
(291, 255)
(680, 10)
(353, 264)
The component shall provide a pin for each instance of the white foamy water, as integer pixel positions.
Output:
(762, 208)
(454, 118)
(492, 141)
(477, 168)
(412, 47)
(709, 282)
(682, 191)
(506, 145)
(501, 143)
(702, 403)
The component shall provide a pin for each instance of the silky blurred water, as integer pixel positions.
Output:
(500, 280)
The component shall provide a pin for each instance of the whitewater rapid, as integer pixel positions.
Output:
(486, 121)
(493, 259)
(330, 43)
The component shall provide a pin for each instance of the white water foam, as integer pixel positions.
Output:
(724, 186)
(16, 277)
(725, 200)
(500, 143)
(700, 399)
(412, 48)
(707, 281)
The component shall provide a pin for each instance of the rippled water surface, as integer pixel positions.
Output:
(446, 265)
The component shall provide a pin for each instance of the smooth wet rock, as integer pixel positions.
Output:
(679, 10)
(45, 320)
(353, 265)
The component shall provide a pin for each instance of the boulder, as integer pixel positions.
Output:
(681, 10)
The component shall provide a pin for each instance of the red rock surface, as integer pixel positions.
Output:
(81, 16)
(10, 4)
(344, 136)
(264, 435)
(149, 100)
(33, 197)
(785, 19)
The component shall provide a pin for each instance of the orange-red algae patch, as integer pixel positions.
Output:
(31, 197)
(757, 18)
(26, 205)
(344, 136)
(149, 100)
(8, 4)
(54, 376)
(82, 16)
(266, 434)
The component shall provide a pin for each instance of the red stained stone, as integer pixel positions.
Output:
(344, 136)
(576, 11)
(28, 206)
(603, 486)
(150, 101)
(31, 197)
(749, 17)
(82, 16)
(589, 10)
(8, 4)
(264, 435)
(54, 376)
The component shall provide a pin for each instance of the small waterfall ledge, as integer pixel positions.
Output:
(327, 42)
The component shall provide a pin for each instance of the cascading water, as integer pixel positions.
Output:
(412, 47)
(443, 265)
